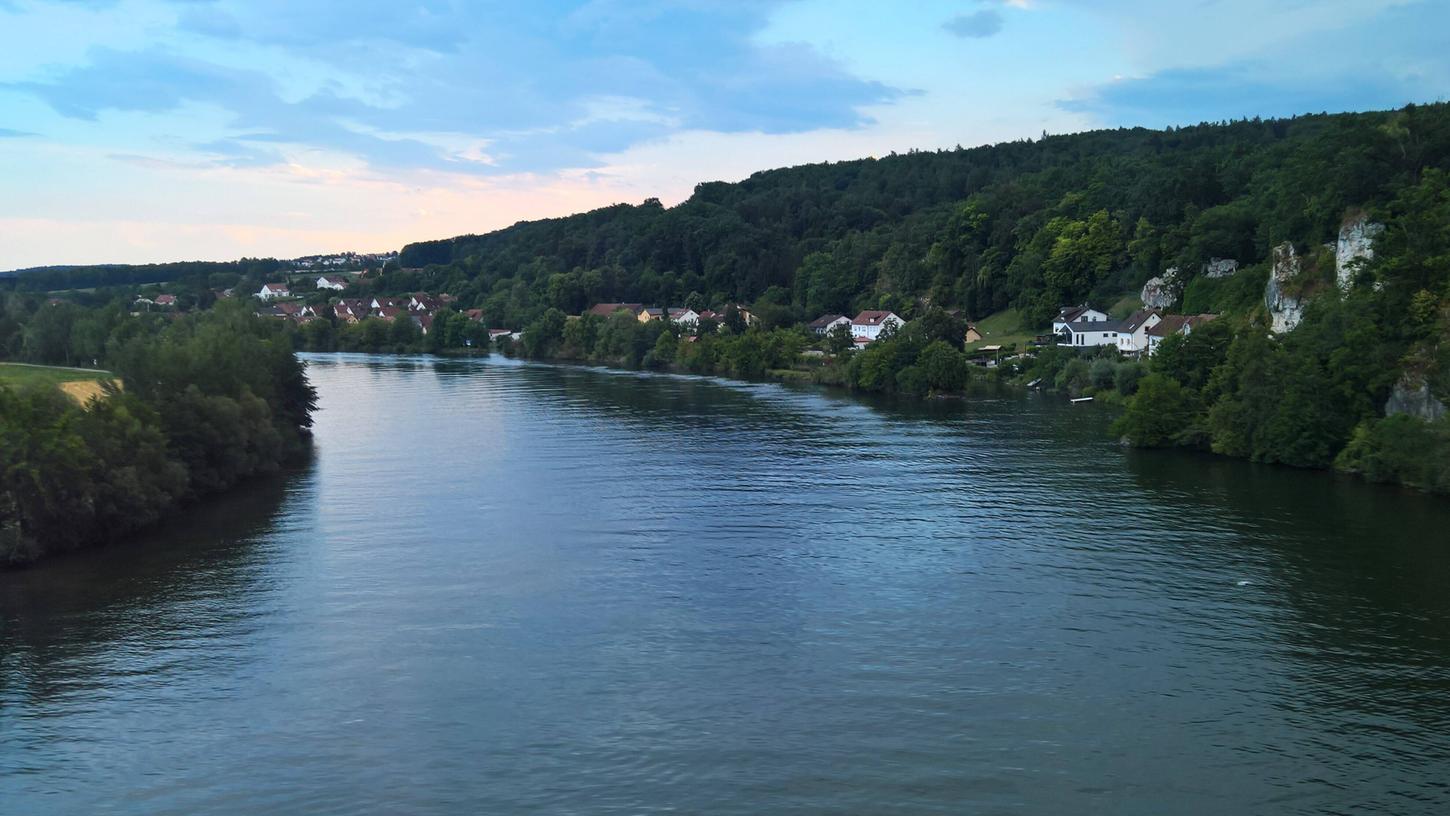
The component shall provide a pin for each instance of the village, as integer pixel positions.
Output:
(1082, 326)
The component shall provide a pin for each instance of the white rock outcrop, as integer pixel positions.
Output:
(1162, 291)
(1354, 248)
(1285, 310)
(1411, 395)
(1220, 267)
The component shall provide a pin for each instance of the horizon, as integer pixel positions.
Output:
(142, 131)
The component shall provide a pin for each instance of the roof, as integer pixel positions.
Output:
(1069, 314)
(1173, 324)
(679, 311)
(653, 311)
(161, 299)
(1137, 319)
(274, 287)
(872, 318)
(1089, 326)
(607, 309)
(334, 279)
(825, 320)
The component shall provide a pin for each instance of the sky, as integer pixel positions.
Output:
(136, 131)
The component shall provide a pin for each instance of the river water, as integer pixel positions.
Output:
(504, 588)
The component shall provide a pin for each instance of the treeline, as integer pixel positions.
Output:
(1029, 224)
(925, 357)
(449, 331)
(206, 401)
(197, 274)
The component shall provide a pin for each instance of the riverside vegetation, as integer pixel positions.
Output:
(209, 399)
(1026, 226)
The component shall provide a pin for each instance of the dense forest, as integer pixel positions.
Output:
(1034, 225)
(204, 401)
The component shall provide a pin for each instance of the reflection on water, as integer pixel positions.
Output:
(514, 588)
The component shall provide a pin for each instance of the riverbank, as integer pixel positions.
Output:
(212, 401)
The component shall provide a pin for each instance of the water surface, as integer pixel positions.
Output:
(504, 588)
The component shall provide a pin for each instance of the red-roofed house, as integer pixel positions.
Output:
(869, 324)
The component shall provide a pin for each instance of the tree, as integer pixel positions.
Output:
(1157, 414)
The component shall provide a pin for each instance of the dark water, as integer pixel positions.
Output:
(511, 589)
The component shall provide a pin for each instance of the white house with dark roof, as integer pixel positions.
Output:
(825, 323)
(273, 290)
(869, 324)
(1174, 324)
(1133, 338)
(684, 316)
(334, 282)
(1076, 314)
(1088, 333)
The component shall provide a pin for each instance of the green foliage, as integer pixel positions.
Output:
(1157, 414)
(1400, 449)
(210, 400)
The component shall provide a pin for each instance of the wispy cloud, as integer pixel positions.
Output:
(978, 24)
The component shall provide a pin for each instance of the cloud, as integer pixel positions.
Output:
(7, 133)
(399, 85)
(978, 24)
(1394, 58)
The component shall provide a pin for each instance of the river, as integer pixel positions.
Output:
(506, 588)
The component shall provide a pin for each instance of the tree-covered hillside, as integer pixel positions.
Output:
(1030, 224)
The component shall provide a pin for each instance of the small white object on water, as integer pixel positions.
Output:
(1244, 583)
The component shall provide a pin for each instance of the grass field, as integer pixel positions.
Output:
(80, 383)
(1003, 328)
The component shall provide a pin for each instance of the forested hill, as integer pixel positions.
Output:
(1031, 224)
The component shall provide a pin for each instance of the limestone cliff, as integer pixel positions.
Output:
(1411, 395)
(1220, 267)
(1354, 248)
(1163, 291)
(1285, 310)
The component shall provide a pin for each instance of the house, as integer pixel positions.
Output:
(1174, 324)
(650, 313)
(351, 310)
(288, 309)
(494, 334)
(1087, 333)
(1133, 338)
(423, 321)
(378, 304)
(826, 322)
(1076, 314)
(273, 290)
(869, 324)
(390, 313)
(684, 316)
(336, 282)
(475, 315)
(607, 309)
(166, 300)
(423, 302)
(746, 315)
(973, 335)
(144, 301)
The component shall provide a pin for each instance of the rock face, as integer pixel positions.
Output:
(1412, 396)
(1285, 310)
(1354, 248)
(1220, 267)
(1162, 292)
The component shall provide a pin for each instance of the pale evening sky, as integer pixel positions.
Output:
(153, 130)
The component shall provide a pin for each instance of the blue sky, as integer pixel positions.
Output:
(144, 130)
